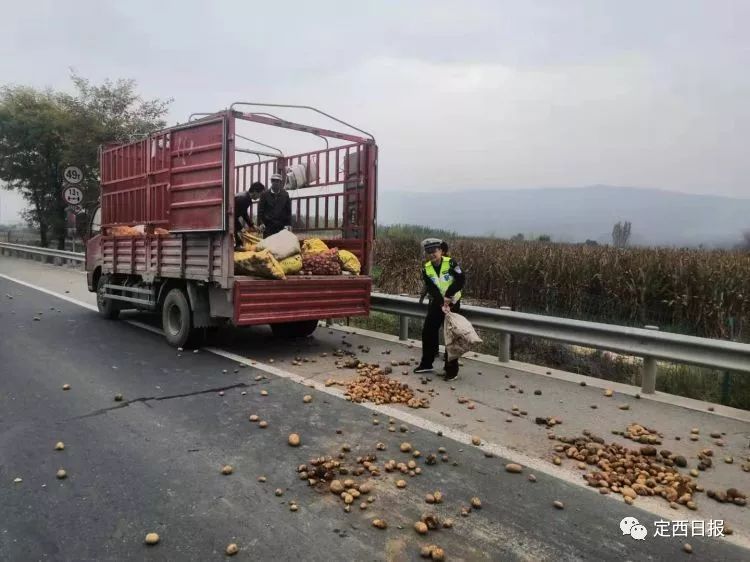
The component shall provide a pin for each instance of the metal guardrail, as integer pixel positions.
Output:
(59, 255)
(648, 343)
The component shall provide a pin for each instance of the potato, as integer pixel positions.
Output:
(294, 440)
(336, 487)
(232, 549)
(152, 538)
(59, 446)
(227, 470)
(420, 528)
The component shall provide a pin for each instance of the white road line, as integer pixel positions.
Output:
(51, 293)
(529, 463)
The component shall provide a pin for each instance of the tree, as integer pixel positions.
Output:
(32, 128)
(42, 132)
(517, 237)
(544, 238)
(621, 234)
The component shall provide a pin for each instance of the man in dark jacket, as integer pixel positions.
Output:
(443, 280)
(242, 203)
(275, 208)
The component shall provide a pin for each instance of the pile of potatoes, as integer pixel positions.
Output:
(629, 472)
(373, 385)
(642, 434)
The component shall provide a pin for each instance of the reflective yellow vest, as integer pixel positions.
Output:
(444, 279)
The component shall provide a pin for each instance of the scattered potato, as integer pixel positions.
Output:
(232, 549)
(294, 440)
(152, 538)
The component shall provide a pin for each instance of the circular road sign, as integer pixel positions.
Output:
(72, 195)
(73, 175)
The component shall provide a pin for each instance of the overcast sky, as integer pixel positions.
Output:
(485, 94)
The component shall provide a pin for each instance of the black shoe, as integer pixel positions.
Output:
(423, 369)
(451, 375)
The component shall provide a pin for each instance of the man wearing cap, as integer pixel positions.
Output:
(443, 279)
(242, 203)
(275, 208)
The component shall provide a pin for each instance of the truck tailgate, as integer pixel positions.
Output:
(263, 301)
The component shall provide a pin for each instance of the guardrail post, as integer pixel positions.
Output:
(403, 327)
(648, 376)
(503, 348)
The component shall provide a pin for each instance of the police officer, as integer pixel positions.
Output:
(275, 208)
(443, 280)
(242, 203)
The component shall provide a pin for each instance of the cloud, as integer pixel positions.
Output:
(481, 94)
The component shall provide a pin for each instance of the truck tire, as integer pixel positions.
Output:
(108, 308)
(177, 320)
(300, 329)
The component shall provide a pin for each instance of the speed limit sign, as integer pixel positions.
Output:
(73, 175)
(72, 195)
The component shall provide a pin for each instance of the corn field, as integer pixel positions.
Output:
(698, 292)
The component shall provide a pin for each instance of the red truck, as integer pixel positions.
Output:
(179, 183)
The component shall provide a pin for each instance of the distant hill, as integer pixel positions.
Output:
(575, 214)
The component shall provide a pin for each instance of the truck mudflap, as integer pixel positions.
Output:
(261, 301)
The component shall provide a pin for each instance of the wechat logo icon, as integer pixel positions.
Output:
(631, 526)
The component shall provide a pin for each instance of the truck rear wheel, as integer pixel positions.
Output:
(177, 320)
(108, 308)
(300, 329)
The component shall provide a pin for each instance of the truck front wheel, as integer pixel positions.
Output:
(300, 329)
(177, 320)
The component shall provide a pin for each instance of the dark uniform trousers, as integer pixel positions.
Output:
(431, 336)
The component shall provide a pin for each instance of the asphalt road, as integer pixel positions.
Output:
(152, 463)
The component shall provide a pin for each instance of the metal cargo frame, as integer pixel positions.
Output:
(184, 179)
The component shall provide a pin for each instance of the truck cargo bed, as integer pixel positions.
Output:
(297, 298)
